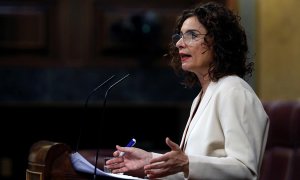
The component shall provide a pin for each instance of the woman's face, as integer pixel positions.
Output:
(196, 55)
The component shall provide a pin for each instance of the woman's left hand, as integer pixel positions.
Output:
(169, 163)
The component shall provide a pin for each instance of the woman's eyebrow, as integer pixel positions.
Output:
(191, 30)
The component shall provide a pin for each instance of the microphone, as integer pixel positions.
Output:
(85, 107)
(95, 90)
(103, 110)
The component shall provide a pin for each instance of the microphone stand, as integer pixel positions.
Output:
(85, 108)
(102, 116)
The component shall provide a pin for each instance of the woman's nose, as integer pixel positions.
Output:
(180, 43)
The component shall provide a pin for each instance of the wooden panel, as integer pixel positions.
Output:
(22, 27)
(134, 32)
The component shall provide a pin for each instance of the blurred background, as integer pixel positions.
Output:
(53, 53)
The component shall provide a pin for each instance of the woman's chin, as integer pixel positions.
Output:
(185, 67)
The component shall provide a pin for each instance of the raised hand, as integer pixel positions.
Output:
(169, 163)
(134, 159)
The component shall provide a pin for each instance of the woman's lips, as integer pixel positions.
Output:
(185, 57)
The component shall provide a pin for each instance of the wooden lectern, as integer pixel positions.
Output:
(51, 161)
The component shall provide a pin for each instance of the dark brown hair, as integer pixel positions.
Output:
(229, 43)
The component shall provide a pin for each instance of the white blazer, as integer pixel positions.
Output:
(227, 136)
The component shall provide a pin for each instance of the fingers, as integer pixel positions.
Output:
(116, 165)
(157, 165)
(117, 168)
(114, 160)
(156, 174)
(155, 171)
(172, 145)
(162, 165)
(166, 157)
(119, 150)
(122, 149)
(116, 153)
(121, 170)
(159, 159)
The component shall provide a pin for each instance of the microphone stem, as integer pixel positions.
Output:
(85, 108)
(102, 118)
(97, 152)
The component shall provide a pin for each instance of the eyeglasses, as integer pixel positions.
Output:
(188, 37)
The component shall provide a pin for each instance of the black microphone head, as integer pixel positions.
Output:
(96, 89)
(114, 84)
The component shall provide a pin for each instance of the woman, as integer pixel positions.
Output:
(226, 132)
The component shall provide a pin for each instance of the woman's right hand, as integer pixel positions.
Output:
(134, 159)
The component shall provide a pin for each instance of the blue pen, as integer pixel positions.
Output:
(130, 144)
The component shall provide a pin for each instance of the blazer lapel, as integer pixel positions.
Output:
(203, 104)
(193, 109)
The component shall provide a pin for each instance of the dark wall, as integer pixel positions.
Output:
(26, 124)
(49, 104)
(59, 85)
